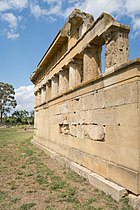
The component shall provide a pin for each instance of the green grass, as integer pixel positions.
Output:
(68, 195)
(27, 206)
(31, 180)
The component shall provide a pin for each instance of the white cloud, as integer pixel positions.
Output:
(133, 6)
(4, 6)
(97, 7)
(136, 23)
(11, 35)
(18, 4)
(36, 10)
(11, 19)
(25, 98)
(12, 22)
(118, 8)
(52, 9)
(12, 4)
(51, 1)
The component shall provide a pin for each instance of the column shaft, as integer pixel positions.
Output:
(63, 80)
(92, 62)
(75, 73)
(116, 41)
(55, 85)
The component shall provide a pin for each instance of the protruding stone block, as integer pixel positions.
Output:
(134, 201)
(116, 191)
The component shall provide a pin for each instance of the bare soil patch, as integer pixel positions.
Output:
(30, 179)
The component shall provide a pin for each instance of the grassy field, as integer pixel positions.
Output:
(29, 179)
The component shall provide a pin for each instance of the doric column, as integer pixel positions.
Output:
(54, 86)
(48, 90)
(75, 73)
(91, 62)
(116, 40)
(39, 97)
(43, 94)
(63, 80)
(35, 98)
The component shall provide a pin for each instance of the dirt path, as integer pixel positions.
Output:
(29, 179)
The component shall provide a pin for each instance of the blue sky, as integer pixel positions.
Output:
(27, 28)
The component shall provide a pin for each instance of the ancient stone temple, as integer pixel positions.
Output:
(86, 116)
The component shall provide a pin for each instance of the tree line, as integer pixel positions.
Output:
(8, 103)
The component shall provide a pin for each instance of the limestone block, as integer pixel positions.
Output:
(73, 130)
(84, 117)
(72, 118)
(57, 119)
(80, 118)
(101, 183)
(93, 101)
(82, 171)
(118, 95)
(63, 108)
(94, 132)
(124, 176)
(81, 131)
(127, 115)
(72, 105)
(134, 201)
(89, 161)
(106, 116)
(123, 136)
(116, 191)
(131, 161)
(55, 110)
(56, 130)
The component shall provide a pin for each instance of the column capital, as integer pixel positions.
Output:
(115, 32)
(75, 61)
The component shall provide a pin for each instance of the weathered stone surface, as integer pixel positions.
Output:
(94, 132)
(116, 40)
(75, 73)
(63, 80)
(54, 86)
(91, 62)
(134, 201)
(116, 191)
(89, 117)
(117, 96)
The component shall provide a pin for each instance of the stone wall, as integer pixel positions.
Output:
(88, 116)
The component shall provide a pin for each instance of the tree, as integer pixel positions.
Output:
(25, 115)
(21, 116)
(7, 99)
(17, 116)
(32, 117)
